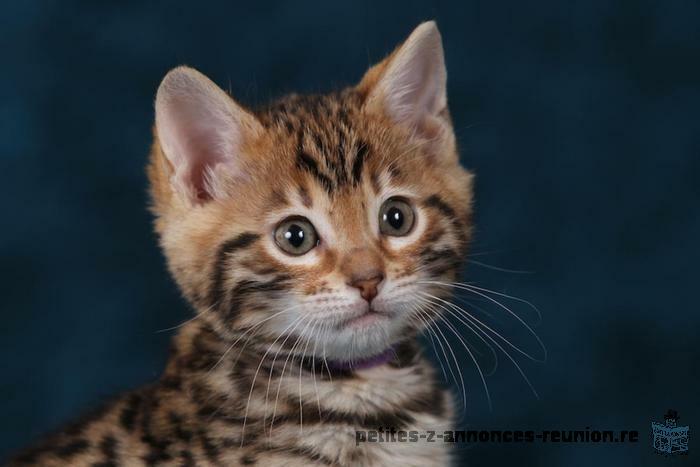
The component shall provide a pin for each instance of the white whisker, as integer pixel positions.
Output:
(497, 268)
(501, 305)
(500, 347)
(471, 355)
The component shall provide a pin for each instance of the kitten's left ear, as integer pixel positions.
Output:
(410, 86)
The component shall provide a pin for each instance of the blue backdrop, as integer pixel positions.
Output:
(580, 120)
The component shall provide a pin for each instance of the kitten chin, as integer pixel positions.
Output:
(361, 340)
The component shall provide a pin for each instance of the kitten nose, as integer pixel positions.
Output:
(368, 285)
(363, 269)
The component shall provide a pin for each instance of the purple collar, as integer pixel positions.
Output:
(362, 364)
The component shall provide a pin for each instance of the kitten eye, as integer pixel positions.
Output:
(296, 236)
(396, 217)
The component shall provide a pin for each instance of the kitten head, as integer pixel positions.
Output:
(319, 220)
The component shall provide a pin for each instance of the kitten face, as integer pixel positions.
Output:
(317, 224)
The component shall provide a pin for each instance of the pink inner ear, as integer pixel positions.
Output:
(197, 180)
(203, 139)
(415, 92)
(413, 87)
(191, 148)
(207, 150)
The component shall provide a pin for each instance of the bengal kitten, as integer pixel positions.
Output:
(304, 234)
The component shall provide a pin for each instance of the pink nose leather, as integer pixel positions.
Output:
(368, 286)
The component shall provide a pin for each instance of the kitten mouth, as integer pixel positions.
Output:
(365, 319)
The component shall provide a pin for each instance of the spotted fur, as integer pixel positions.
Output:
(244, 385)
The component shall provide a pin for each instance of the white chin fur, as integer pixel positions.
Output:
(357, 342)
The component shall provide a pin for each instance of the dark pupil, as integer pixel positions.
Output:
(394, 217)
(295, 235)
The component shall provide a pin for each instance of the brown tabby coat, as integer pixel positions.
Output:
(244, 386)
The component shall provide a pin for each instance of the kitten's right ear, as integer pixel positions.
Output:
(201, 131)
